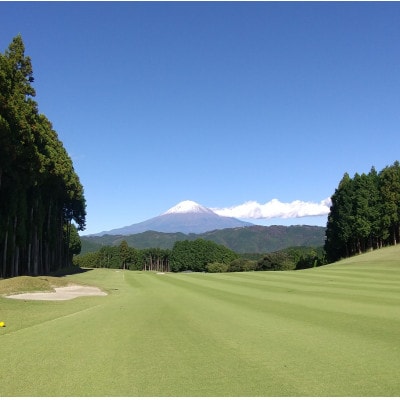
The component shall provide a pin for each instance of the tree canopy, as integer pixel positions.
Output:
(365, 213)
(40, 193)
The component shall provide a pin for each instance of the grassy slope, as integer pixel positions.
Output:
(331, 331)
(23, 284)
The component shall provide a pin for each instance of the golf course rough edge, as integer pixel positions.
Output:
(61, 293)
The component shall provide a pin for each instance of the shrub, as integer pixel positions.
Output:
(241, 264)
(277, 261)
(217, 267)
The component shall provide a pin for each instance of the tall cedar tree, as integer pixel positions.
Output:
(40, 193)
(365, 213)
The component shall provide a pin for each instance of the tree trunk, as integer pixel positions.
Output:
(16, 265)
(48, 241)
(35, 252)
(14, 245)
(41, 272)
(29, 257)
(30, 243)
(4, 273)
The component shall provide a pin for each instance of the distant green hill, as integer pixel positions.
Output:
(251, 239)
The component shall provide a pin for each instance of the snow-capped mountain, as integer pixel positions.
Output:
(188, 206)
(186, 217)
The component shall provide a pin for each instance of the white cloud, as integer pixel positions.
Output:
(276, 209)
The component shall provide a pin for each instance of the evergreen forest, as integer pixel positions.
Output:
(42, 203)
(365, 213)
(198, 255)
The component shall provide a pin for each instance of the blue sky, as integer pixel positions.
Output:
(217, 102)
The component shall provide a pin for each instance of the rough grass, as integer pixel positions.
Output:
(26, 284)
(330, 331)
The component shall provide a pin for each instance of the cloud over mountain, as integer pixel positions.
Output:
(186, 217)
(276, 209)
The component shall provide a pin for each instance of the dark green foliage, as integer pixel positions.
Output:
(154, 259)
(243, 264)
(74, 242)
(145, 240)
(124, 254)
(109, 257)
(186, 255)
(389, 185)
(195, 255)
(251, 256)
(88, 260)
(254, 239)
(264, 239)
(199, 256)
(283, 260)
(306, 257)
(365, 213)
(217, 267)
(40, 193)
(310, 260)
(125, 257)
(278, 261)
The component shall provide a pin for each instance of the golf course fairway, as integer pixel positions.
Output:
(327, 331)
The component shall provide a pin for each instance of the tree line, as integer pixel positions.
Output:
(42, 202)
(198, 255)
(365, 213)
(185, 255)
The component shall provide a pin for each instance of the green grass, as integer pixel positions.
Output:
(329, 331)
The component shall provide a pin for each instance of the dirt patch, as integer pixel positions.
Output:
(61, 293)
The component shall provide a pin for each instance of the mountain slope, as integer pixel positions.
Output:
(186, 217)
(261, 239)
(251, 239)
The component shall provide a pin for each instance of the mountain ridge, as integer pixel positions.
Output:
(250, 239)
(186, 217)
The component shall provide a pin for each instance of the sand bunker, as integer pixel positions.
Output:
(61, 293)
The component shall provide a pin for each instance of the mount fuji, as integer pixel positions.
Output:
(186, 217)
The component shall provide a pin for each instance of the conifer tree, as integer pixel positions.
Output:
(40, 193)
(390, 191)
(365, 213)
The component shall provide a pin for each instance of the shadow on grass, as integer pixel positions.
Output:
(73, 270)
(56, 274)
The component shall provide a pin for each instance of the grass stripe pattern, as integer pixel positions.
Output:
(328, 331)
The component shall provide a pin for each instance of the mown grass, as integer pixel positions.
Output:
(330, 331)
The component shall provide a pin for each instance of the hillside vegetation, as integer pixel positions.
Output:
(252, 239)
(365, 213)
(328, 331)
(199, 255)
